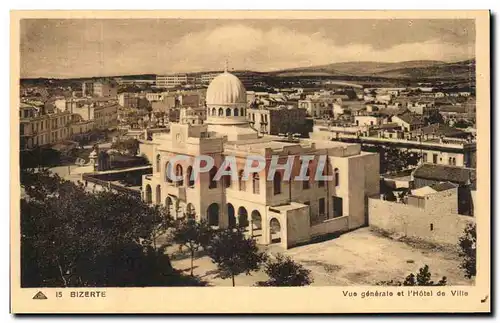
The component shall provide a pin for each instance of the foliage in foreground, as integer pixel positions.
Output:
(193, 235)
(71, 238)
(234, 254)
(467, 250)
(283, 271)
(422, 278)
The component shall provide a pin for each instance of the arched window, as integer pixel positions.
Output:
(242, 112)
(242, 217)
(214, 112)
(221, 112)
(228, 112)
(230, 214)
(275, 230)
(305, 183)
(190, 210)
(213, 214)
(277, 183)
(227, 179)
(168, 205)
(178, 173)
(167, 173)
(213, 182)
(241, 182)
(148, 197)
(158, 163)
(236, 112)
(158, 194)
(190, 178)
(256, 220)
(256, 183)
(337, 177)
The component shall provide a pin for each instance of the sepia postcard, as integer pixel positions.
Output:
(274, 161)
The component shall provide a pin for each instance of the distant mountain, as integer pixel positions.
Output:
(457, 70)
(408, 69)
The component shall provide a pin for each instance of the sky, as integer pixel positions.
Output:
(65, 48)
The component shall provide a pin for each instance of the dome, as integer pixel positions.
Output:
(226, 89)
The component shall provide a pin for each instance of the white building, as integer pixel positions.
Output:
(173, 80)
(291, 212)
(37, 128)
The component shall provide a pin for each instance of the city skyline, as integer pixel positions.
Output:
(74, 48)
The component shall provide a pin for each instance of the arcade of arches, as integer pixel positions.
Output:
(253, 224)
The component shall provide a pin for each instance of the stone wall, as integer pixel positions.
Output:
(433, 224)
(297, 225)
(330, 226)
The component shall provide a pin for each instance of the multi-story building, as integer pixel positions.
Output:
(315, 108)
(435, 146)
(270, 208)
(128, 100)
(122, 81)
(156, 96)
(192, 116)
(174, 80)
(100, 89)
(192, 100)
(279, 120)
(422, 107)
(408, 121)
(208, 77)
(88, 88)
(38, 128)
(105, 116)
(103, 113)
(105, 89)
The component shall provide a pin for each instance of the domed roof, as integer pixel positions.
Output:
(226, 89)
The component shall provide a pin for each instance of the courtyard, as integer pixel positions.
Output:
(360, 257)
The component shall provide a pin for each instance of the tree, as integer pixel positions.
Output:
(234, 254)
(193, 235)
(422, 278)
(283, 271)
(467, 250)
(389, 196)
(72, 238)
(129, 146)
(39, 158)
(462, 124)
(433, 118)
(393, 159)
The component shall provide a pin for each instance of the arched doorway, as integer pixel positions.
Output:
(190, 210)
(242, 217)
(275, 230)
(149, 193)
(168, 205)
(189, 176)
(178, 173)
(158, 163)
(158, 194)
(256, 224)
(230, 214)
(213, 214)
(277, 183)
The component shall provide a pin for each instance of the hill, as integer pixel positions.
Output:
(456, 70)
(408, 69)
